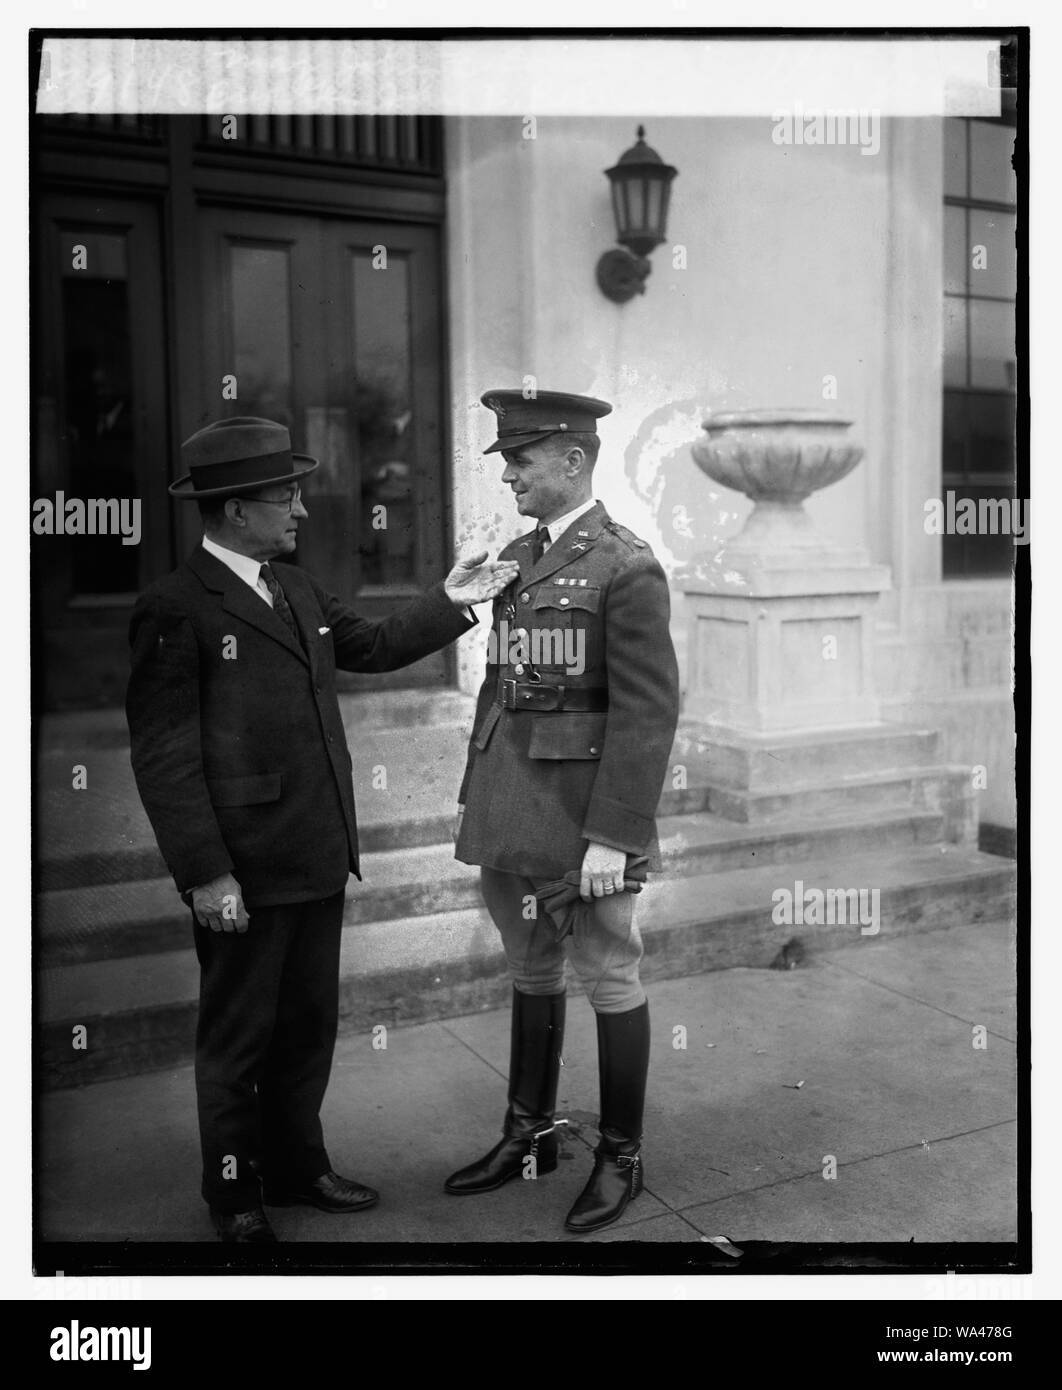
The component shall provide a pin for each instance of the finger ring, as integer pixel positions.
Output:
(610, 887)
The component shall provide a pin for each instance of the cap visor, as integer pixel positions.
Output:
(517, 441)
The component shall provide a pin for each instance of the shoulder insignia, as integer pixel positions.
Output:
(635, 542)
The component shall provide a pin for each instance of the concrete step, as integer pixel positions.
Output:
(102, 835)
(774, 762)
(947, 790)
(139, 1011)
(142, 917)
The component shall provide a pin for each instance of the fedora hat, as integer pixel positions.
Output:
(238, 455)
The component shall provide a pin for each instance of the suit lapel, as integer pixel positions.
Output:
(307, 616)
(242, 602)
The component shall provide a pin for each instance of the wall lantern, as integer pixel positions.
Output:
(641, 191)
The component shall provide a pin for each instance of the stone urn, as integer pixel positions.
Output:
(778, 458)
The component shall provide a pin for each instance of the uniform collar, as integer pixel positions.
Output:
(578, 537)
(557, 528)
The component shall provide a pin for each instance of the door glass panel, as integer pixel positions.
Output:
(383, 408)
(98, 406)
(260, 280)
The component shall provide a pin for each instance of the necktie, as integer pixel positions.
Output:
(538, 545)
(281, 607)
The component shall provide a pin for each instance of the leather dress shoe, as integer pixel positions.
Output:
(329, 1192)
(243, 1227)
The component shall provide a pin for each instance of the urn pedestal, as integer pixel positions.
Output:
(781, 625)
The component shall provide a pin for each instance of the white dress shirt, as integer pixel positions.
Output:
(557, 528)
(243, 566)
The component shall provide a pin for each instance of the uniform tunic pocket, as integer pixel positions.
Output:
(566, 736)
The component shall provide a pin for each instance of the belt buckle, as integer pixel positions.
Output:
(508, 694)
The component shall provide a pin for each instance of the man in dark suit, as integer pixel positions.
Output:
(573, 730)
(241, 761)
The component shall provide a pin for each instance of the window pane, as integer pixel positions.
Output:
(956, 258)
(383, 406)
(995, 232)
(955, 342)
(992, 344)
(955, 158)
(991, 177)
(983, 553)
(261, 330)
(991, 446)
(955, 431)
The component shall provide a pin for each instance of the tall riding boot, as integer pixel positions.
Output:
(534, 1068)
(623, 1059)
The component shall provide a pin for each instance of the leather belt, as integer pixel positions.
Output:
(541, 697)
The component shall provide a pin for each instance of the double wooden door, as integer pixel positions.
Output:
(333, 326)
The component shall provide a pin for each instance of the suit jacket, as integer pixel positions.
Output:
(538, 785)
(237, 741)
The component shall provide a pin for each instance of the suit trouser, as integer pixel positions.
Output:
(268, 1013)
(605, 953)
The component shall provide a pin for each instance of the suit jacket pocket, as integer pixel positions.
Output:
(566, 735)
(252, 790)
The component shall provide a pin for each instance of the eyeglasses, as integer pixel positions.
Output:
(291, 501)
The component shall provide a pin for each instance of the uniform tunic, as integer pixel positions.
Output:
(540, 782)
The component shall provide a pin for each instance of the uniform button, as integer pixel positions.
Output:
(317, 689)
(331, 739)
(564, 602)
(593, 750)
(525, 598)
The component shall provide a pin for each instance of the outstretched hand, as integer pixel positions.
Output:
(477, 579)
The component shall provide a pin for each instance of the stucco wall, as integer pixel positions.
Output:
(802, 264)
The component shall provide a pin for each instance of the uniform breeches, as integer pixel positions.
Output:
(605, 950)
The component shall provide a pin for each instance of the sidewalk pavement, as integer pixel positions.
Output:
(865, 1053)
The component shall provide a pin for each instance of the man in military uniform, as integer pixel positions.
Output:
(573, 730)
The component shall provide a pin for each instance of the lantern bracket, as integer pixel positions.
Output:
(621, 275)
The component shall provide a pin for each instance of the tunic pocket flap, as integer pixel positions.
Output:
(252, 790)
(566, 597)
(566, 735)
